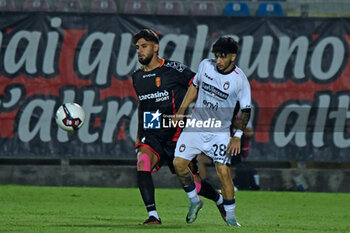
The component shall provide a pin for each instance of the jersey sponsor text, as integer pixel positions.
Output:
(214, 91)
(210, 105)
(158, 96)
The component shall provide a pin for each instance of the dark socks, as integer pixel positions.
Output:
(208, 191)
(146, 187)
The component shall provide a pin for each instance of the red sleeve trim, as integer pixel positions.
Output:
(191, 81)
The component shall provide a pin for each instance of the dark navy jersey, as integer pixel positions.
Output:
(162, 89)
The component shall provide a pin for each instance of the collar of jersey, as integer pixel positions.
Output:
(160, 65)
(228, 72)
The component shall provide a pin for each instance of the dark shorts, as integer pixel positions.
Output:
(164, 148)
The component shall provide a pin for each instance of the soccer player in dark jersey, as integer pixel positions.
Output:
(160, 86)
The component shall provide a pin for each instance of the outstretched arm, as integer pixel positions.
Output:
(190, 96)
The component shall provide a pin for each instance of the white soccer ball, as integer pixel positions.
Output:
(70, 116)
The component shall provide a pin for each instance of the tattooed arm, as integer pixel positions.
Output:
(242, 122)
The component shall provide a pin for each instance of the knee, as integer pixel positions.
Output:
(224, 173)
(144, 163)
(176, 163)
(180, 165)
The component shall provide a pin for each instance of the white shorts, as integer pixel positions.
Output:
(214, 145)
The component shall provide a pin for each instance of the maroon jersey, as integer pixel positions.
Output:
(161, 89)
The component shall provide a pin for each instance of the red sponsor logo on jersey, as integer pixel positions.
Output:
(158, 81)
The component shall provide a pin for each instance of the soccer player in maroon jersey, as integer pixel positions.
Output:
(160, 86)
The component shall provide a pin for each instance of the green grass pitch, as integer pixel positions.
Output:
(66, 209)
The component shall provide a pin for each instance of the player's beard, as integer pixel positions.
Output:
(223, 70)
(146, 61)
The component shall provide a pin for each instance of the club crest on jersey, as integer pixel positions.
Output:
(158, 81)
(182, 148)
(226, 85)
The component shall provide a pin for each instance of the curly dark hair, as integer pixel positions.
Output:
(225, 45)
(146, 34)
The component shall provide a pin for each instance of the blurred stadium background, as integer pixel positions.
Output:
(55, 158)
(311, 8)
